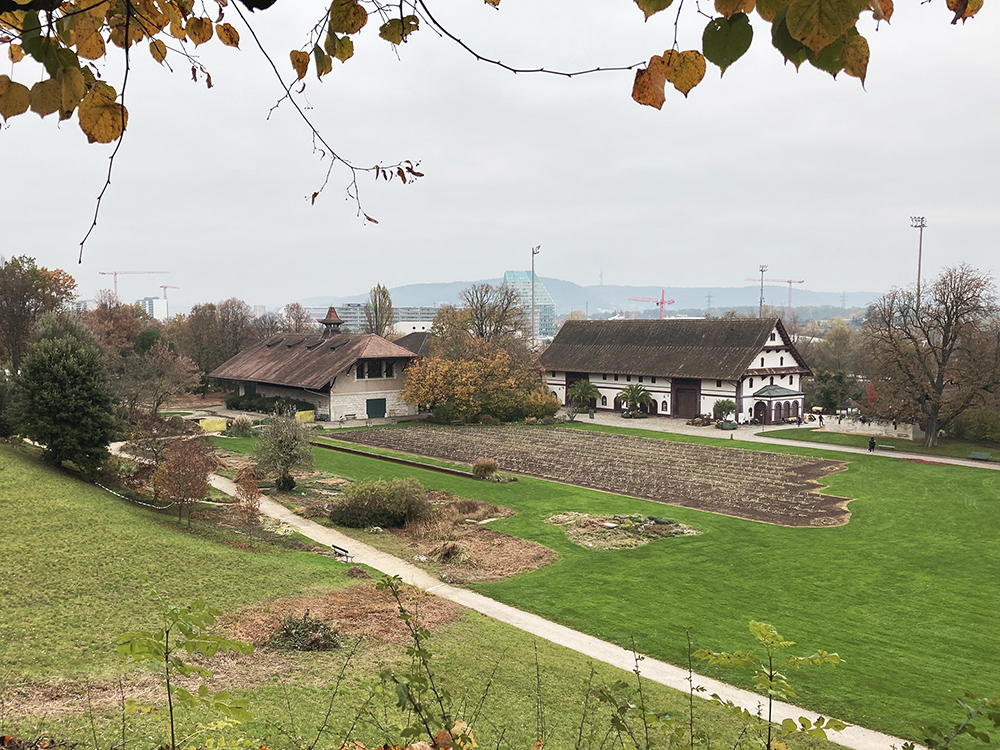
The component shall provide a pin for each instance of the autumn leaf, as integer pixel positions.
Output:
(494, 3)
(650, 7)
(73, 90)
(854, 57)
(729, 8)
(684, 69)
(323, 63)
(14, 98)
(15, 53)
(228, 35)
(300, 61)
(791, 49)
(46, 97)
(768, 9)
(726, 40)
(340, 47)
(347, 16)
(102, 118)
(158, 50)
(396, 30)
(91, 47)
(964, 9)
(649, 83)
(199, 30)
(882, 10)
(828, 58)
(816, 23)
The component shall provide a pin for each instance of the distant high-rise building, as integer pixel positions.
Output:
(545, 308)
(407, 318)
(154, 307)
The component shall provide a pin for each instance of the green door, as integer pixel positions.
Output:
(375, 407)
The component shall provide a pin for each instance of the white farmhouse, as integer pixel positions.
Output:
(685, 365)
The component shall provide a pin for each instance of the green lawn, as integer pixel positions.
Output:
(945, 447)
(905, 592)
(71, 554)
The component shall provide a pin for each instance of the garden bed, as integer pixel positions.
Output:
(770, 487)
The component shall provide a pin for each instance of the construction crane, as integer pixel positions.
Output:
(116, 274)
(789, 282)
(166, 304)
(662, 302)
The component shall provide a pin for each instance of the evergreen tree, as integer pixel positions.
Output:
(64, 401)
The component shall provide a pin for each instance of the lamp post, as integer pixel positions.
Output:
(918, 222)
(760, 308)
(534, 252)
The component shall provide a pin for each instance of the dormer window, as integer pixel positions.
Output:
(773, 336)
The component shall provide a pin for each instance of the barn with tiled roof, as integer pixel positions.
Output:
(685, 365)
(341, 374)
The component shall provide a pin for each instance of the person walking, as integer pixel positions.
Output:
(871, 444)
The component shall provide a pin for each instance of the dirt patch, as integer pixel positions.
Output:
(467, 551)
(360, 610)
(770, 487)
(618, 532)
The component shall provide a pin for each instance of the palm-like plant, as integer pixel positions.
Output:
(581, 393)
(634, 396)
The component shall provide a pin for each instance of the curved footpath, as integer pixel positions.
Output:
(854, 737)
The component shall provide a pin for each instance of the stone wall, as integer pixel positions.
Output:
(878, 428)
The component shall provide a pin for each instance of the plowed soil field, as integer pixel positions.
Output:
(770, 487)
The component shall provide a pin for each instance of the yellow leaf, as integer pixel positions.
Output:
(158, 50)
(649, 83)
(347, 16)
(684, 69)
(494, 3)
(769, 9)
(118, 24)
(882, 10)
(816, 23)
(14, 98)
(199, 30)
(227, 34)
(46, 97)
(854, 57)
(102, 118)
(15, 53)
(177, 28)
(730, 8)
(323, 62)
(964, 9)
(73, 89)
(300, 61)
(91, 47)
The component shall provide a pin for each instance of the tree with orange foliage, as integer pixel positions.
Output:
(26, 292)
(183, 475)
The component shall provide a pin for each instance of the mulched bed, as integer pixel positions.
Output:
(769, 487)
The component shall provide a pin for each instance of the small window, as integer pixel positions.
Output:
(552, 373)
(604, 376)
(772, 336)
(718, 383)
(652, 379)
(663, 407)
(640, 378)
(389, 369)
(374, 368)
(772, 380)
(361, 370)
(781, 362)
(751, 382)
(616, 378)
(628, 378)
(604, 399)
(761, 361)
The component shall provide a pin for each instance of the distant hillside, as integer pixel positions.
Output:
(597, 299)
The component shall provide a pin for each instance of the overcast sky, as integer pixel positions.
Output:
(813, 176)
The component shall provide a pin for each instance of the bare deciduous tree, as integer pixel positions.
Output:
(930, 362)
(378, 312)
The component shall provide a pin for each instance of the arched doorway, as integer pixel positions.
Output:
(777, 413)
(618, 404)
(760, 412)
(652, 406)
(795, 409)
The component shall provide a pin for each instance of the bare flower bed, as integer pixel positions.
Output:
(769, 487)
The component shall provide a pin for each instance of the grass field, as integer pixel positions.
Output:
(945, 447)
(72, 553)
(904, 592)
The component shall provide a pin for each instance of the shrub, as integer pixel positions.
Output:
(488, 419)
(484, 468)
(241, 427)
(661, 520)
(267, 404)
(305, 634)
(380, 503)
(976, 426)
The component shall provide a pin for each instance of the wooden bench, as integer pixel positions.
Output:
(341, 552)
(457, 422)
(886, 447)
(980, 456)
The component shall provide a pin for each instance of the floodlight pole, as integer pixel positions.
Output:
(760, 309)
(534, 252)
(919, 222)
